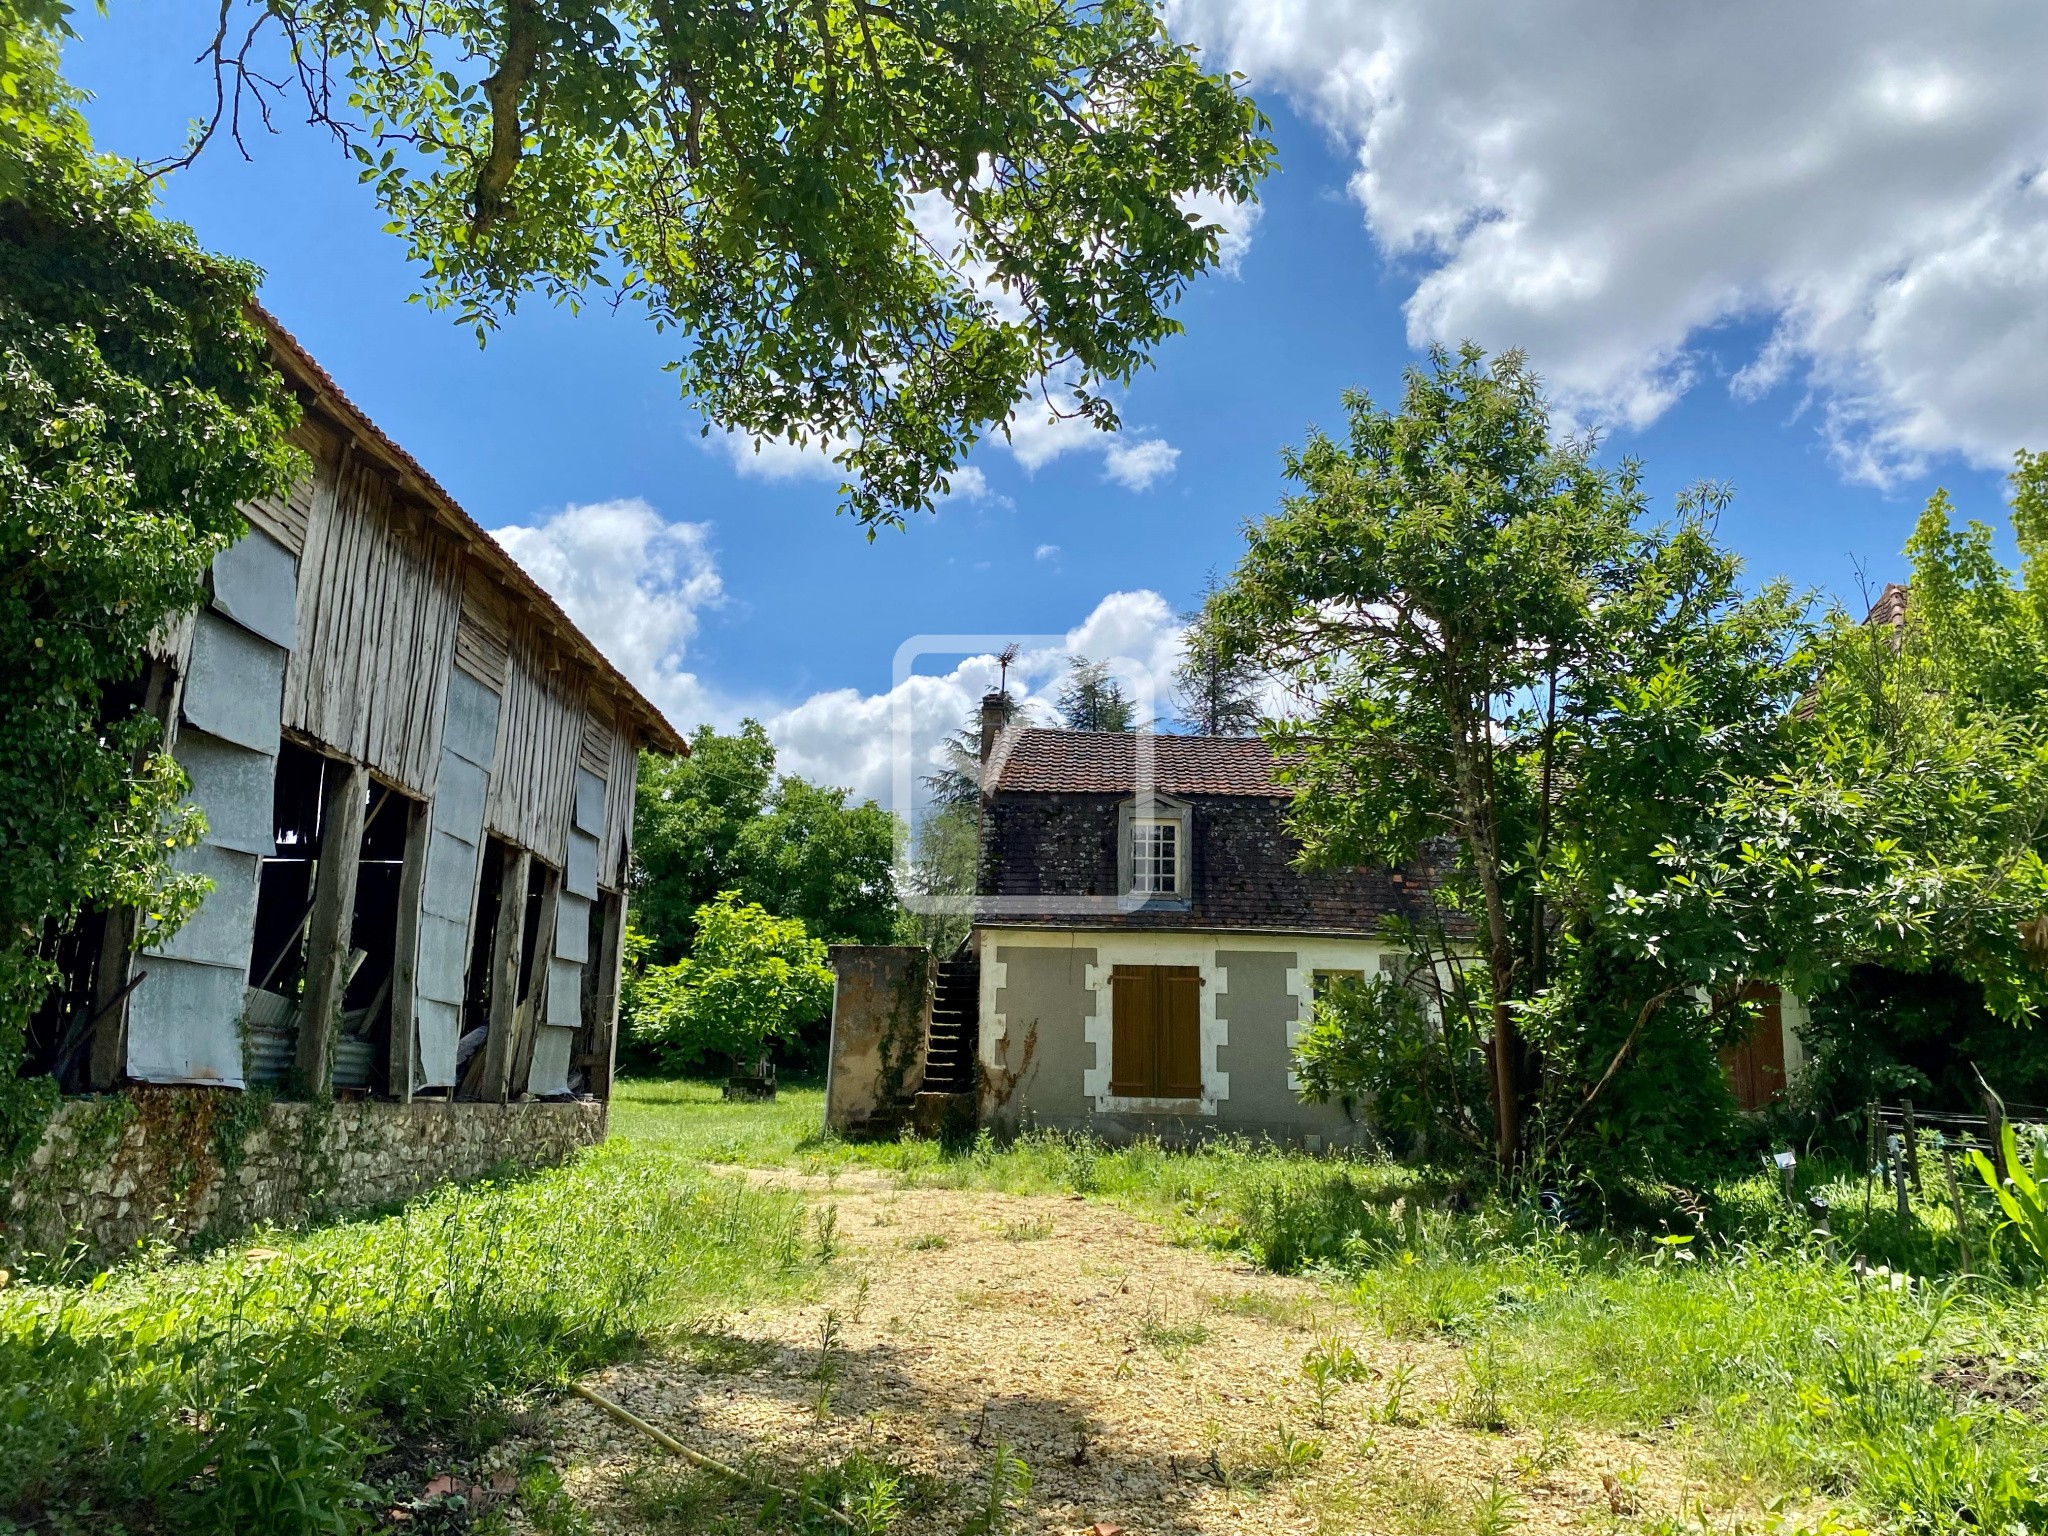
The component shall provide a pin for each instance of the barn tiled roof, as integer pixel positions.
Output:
(1038, 761)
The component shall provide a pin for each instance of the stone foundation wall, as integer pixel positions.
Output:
(182, 1164)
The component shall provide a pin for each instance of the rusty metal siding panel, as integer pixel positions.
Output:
(540, 734)
(548, 1075)
(572, 927)
(380, 590)
(224, 927)
(618, 811)
(256, 583)
(233, 687)
(183, 1023)
(233, 787)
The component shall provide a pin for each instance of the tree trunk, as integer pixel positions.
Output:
(1472, 740)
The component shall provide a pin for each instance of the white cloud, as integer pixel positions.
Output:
(1604, 187)
(1046, 552)
(634, 583)
(777, 459)
(847, 738)
(1237, 221)
(1134, 466)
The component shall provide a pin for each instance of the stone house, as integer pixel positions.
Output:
(1148, 951)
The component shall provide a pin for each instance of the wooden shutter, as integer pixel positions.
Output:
(1133, 1050)
(1179, 1031)
(1756, 1064)
(1156, 1032)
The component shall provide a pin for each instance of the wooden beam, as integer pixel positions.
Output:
(610, 957)
(506, 943)
(412, 877)
(327, 930)
(532, 1011)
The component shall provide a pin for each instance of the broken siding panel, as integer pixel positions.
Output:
(597, 744)
(572, 928)
(472, 728)
(590, 802)
(255, 583)
(232, 685)
(222, 930)
(540, 735)
(377, 613)
(617, 838)
(548, 1074)
(579, 876)
(448, 890)
(184, 1023)
(233, 787)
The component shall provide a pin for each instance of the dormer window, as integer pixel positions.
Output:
(1155, 857)
(1153, 852)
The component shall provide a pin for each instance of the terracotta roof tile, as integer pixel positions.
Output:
(1035, 760)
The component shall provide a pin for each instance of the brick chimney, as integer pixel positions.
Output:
(995, 714)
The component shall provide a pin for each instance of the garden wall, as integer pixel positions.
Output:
(184, 1164)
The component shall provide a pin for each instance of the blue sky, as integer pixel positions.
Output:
(1642, 283)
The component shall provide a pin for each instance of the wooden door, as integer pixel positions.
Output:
(1134, 1035)
(1755, 1064)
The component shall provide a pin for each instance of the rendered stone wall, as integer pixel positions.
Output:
(183, 1164)
(881, 1023)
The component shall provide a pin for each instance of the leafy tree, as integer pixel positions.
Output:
(751, 979)
(875, 226)
(136, 412)
(1217, 690)
(689, 816)
(1893, 869)
(1495, 654)
(721, 820)
(815, 857)
(945, 860)
(1092, 700)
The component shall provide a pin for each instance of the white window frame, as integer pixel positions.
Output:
(1146, 862)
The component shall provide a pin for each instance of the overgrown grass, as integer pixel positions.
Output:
(1861, 1369)
(248, 1391)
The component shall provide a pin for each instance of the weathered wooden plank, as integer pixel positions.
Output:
(500, 1043)
(412, 877)
(615, 847)
(604, 1020)
(533, 1013)
(327, 931)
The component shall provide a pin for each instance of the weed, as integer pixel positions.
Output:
(1009, 1485)
(548, 1507)
(928, 1242)
(1028, 1231)
(1329, 1365)
(1290, 1454)
(1172, 1337)
(1497, 1511)
(827, 1245)
(1482, 1404)
(1552, 1450)
(1394, 1406)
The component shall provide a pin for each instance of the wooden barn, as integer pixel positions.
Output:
(417, 777)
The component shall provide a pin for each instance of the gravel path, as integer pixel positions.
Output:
(1148, 1387)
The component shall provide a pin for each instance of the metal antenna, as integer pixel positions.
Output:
(1009, 654)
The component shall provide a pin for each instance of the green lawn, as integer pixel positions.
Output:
(251, 1390)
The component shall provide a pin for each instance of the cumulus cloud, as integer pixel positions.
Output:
(777, 459)
(633, 582)
(850, 738)
(1604, 188)
(1135, 465)
(1046, 552)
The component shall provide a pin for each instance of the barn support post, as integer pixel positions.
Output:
(327, 930)
(412, 877)
(610, 959)
(529, 1014)
(506, 944)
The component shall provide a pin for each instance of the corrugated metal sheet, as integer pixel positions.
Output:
(572, 928)
(590, 802)
(233, 786)
(233, 685)
(579, 876)
(380, 592)
(255, 583)
(548, 1075)
(184, 1023)
(224, 927)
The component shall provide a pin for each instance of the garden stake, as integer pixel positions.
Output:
(1896, 1146)
(1869, 1164)
(1955, 1196)
(1912, 1148)
(670, 1443)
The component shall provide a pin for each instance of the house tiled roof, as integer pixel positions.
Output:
(1038, 761)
